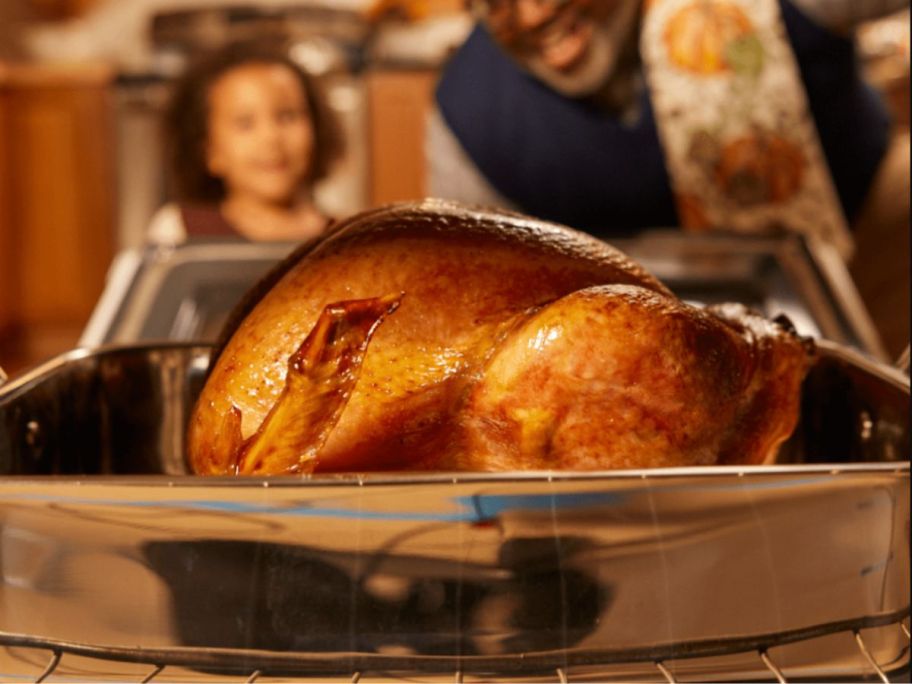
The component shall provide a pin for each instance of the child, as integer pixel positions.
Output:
(248, 135)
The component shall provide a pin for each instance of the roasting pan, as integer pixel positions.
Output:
(118, 565)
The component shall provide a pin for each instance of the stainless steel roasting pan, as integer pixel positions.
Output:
(118, 565)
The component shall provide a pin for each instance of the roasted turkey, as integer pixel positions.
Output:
(437, 336)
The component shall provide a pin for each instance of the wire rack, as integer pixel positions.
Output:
(250, 665)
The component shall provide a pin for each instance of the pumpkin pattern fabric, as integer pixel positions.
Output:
(698, 35)
(741, 148)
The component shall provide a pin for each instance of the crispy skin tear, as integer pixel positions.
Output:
(321, 376)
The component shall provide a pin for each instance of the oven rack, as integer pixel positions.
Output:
(253, 664)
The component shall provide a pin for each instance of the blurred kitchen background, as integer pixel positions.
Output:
(83, 84)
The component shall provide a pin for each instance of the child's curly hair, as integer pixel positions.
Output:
(186, 120)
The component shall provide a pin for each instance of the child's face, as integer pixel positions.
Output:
(260, 134)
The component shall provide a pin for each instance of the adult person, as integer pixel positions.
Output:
(618, 115)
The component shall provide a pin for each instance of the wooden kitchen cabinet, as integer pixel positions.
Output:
(61, 10)
(57, 201)
(8, 280)
(398, 104)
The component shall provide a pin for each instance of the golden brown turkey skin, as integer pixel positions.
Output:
(516, 344)
(617, 376)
